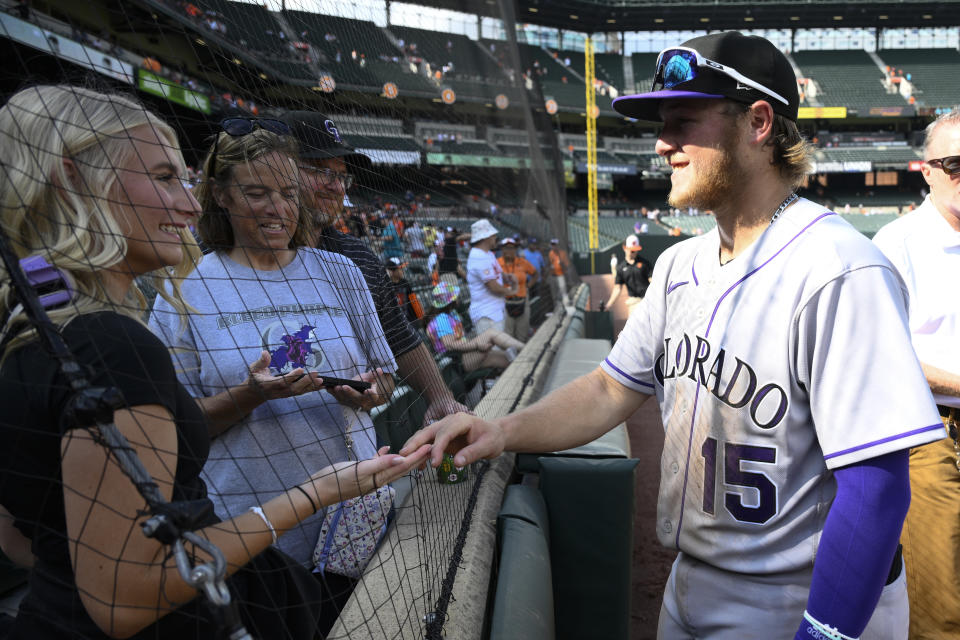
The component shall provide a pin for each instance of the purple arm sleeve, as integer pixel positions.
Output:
(858, 543)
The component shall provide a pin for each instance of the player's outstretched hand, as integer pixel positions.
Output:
(466, 436)
(345, 480)
(441, 408)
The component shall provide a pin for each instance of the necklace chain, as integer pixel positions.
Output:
(783, 205)
(776, 214)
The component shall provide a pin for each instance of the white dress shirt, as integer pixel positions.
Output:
(926, 251)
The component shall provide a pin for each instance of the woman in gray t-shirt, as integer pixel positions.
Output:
(271, 319)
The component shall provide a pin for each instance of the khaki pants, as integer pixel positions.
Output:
(931, 542)
(518, 327)
(633, 303)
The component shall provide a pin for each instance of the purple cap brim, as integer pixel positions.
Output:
(646, 106)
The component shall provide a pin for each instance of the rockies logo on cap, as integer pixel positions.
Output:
(332, 130)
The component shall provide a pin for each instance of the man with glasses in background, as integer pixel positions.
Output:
(325, 165)
(778, 349)
(924, 246)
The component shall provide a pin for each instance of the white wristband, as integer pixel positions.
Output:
(263, 516)
(825, 630)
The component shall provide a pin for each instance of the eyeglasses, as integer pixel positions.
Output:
(682, 64)
(949, 164)
(329, 176)
(237, 127)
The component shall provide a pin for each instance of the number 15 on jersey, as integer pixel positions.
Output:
(735, 476)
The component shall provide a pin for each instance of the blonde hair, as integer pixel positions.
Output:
(68, 217)
(792, 153)
(232, 151)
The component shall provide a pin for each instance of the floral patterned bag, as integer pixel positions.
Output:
(352, 530)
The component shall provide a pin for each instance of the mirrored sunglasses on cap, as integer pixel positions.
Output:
(682, 64)
(242, 126)
(949, 164)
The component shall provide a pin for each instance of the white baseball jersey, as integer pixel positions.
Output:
(791, 360)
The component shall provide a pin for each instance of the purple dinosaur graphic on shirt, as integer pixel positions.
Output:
(295, 350)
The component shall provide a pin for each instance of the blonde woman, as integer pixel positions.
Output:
(272, 317)
(92, 183)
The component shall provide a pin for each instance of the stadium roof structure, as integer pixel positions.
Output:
(595, 16)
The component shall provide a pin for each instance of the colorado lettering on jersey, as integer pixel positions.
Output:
(731, 380)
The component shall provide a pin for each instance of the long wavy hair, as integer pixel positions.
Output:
(70, 218)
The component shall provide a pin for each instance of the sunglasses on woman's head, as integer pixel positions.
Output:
(949, 164)
(242, 126)
(237, 127)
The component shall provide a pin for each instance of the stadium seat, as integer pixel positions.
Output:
(848, 78)
(561, 538)
(933, 73)
(523, 600)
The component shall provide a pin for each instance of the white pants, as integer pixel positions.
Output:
(482, 324)
(701, 601)
(561, 285)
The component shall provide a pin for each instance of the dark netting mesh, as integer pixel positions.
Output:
(243, 232)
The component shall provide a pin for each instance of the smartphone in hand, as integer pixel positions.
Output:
(357, 385)
(330, 381)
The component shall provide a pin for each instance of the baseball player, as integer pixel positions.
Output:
(778, 350)
(923, 245)
(633, 275)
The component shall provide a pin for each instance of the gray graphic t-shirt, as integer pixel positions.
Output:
(315, 313)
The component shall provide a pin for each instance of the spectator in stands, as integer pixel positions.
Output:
(324, 181)
(449, 267)
(491, 348)
(923, 246)
(517, 307)
(633, 274)
(104, 165)
(534, 256)
(392, 239)
(433, 262)
(406, 298)
(273, 316)
(558, 265)
(415, 238)
(488, 286)
(429, 237)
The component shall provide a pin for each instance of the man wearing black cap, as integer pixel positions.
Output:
(325, 165)
(770, 344)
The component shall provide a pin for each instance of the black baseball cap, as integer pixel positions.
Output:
(394, 263)
(319, 138)
(720, 65)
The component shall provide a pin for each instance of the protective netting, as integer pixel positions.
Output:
(249, 228)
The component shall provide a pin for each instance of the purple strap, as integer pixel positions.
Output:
(52, 287)
(858, 543)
